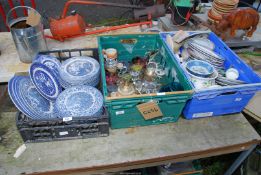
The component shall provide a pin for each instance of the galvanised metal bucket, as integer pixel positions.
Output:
(29, 40)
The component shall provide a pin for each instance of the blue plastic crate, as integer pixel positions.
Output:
(222, 100)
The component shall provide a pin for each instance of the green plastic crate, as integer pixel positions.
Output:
(122, 110)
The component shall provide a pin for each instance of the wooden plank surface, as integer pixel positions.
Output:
(128, 148)
(9, 60)
(253, 108)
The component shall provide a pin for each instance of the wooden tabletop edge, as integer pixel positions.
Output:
(213, 151)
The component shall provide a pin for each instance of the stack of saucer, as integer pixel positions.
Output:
(221, 7)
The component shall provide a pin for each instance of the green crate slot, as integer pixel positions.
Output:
(123, 111)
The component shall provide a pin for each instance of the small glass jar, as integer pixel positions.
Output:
(150, 71)
(125, 86)
(136, 72)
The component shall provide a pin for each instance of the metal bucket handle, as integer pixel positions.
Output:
(8, 14)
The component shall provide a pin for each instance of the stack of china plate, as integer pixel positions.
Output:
(80, 70)
(221, 7)
(40, 95)
(205, 53)
(26, 98)
(223, 81)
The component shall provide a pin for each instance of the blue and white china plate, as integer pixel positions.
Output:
(229, 81)
(13, 96)
(204, 42)
(92, 83)
(79, 101)
(206, 52)
(19, 97)
(45, 81)
(50, 61)
(27, 99)
(80, 69)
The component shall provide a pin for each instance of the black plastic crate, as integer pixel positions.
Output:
(68, 53)
(69, 127)
(62, 128)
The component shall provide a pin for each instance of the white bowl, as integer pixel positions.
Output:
(232, 74)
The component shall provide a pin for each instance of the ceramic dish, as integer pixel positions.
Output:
(204, 42)
(79, 101)
(206, 51)
(224, 80)
(232, 74)
(221, 9)
(227, 2)
(224, 4)
(45, 81)
(34, 102)
(200, 68)
(214, 17)
(27, 99)
(92, 83)
(50, 61)
(80, 70)
(204, 57)
(200, 82)
(200, 56)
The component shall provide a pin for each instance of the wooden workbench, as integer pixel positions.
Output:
(124, 148)
(129, 148)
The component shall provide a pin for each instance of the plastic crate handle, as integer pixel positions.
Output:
(228, 93)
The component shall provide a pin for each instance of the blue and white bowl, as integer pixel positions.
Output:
(200, 68)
